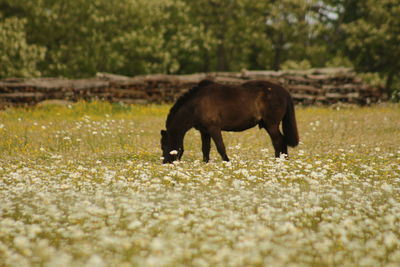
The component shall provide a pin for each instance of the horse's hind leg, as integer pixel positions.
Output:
(277, 140)
(205, 145)
(219, 143)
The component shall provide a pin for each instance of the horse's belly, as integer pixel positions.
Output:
(238, 127)
(232, 116)
(238, 121)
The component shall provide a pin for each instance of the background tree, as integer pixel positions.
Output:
(285, 25)
(235, 33)
(17, 57)
(75, 33)
(267, 33)
(129, 37)
(373, 40)
(78, 38)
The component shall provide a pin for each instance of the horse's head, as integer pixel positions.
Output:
(169, 154)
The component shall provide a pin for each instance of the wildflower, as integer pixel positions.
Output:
(386, 187)
(21, 241)
(157, 244)
(95, 261)
(390, 240)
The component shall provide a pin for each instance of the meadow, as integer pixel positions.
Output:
(83, 185)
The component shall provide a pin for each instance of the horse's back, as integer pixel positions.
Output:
(271, 89)
(244, 96)
(219, 97)
(236, 108)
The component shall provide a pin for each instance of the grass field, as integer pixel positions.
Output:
(83, 186)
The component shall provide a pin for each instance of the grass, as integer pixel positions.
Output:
(83, 185)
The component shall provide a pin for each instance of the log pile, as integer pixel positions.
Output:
(320, 86)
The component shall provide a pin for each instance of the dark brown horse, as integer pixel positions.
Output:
(211, 108)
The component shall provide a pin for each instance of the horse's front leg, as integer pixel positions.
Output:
(205, 145)
(180, 152)
(216, 135)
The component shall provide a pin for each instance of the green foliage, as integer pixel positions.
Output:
(372, 78)
(290, 27)
(296, 65)
(234, 33)
(161, 39)
(17, 57)
(78, 38)
(339, 61)
(373, 40)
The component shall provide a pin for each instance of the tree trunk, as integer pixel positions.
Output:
(222, 61)
(206, 60)
(278, 53)
(389, 83)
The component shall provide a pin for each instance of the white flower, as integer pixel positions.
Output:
(157, 244)
(173, 152)
(386, 187)
(95, 261)
(134, 225)
(21, 242)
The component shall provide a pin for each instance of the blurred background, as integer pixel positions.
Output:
(78, 38)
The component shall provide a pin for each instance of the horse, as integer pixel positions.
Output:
(211, 107)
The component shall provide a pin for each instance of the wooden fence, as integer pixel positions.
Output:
(318, 86)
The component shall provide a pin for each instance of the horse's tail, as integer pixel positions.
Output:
(289, 125)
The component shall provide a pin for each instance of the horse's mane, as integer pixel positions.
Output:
(179, 103)
(184, 98)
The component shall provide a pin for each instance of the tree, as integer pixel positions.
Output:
(295, 32)
(161, 39)
(18, 58)
(129, 37)
(71, 31)
(333, 14)
(78, 38)
(232, 31)
(373, 40)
